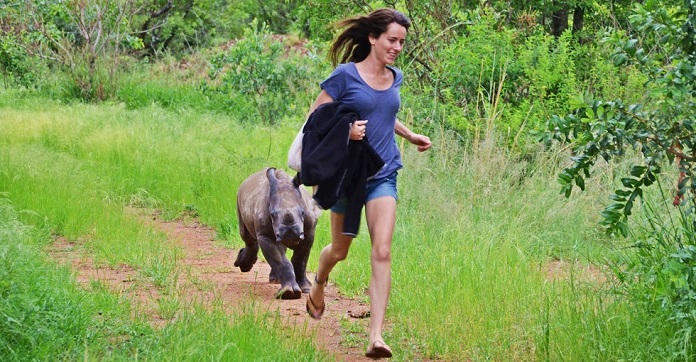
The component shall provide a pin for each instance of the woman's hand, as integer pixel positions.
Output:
(423, 142)
(357, 130)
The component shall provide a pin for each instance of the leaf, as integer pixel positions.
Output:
(628, 208)
(619, 59)
(615, 197)
(629, 182)
(564, 177)
(649, 178)
(630, 46)
(566, 190)
(610, 216)
(638, 192)
(623, 228)
(684, 182)
(638, 171)
(623, 192)
(580, 182)
(615, 206)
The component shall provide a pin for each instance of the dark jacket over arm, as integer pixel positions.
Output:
(334, 163)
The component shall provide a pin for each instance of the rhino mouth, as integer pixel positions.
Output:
(291, 242)
(290, 237)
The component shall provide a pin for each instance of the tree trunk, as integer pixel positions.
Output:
(559, 20)
(578, 19)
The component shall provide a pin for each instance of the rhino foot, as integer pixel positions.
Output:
(245, 261)
(305, 285)
(288, 293)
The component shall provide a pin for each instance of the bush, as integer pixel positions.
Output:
(266, 71)
(659, 272)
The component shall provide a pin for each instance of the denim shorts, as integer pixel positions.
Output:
(384, 186)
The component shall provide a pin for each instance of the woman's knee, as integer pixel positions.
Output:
(338, 254)
(381, 253)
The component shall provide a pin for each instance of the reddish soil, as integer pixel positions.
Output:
(208, 274)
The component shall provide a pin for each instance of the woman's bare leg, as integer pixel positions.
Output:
(329, 256)
(381, 217)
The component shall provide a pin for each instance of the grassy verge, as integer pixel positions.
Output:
(476, 228)
(44, 315)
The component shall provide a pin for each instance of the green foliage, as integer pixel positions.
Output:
(184, 26)
(661, 129)
(86, 40)
(19, 64)
(16, 64)
(264, 70)
(40, 309)
(316, 17)
(530, 75)
(660, 271)
(549, 70)
(469, 63)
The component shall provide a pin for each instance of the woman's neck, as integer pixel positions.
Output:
(371, 67)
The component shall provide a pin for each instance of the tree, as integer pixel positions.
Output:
(659, 272)
(663, 128)
(86, 38)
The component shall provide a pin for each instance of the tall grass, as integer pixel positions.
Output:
(44, 315)
(476, 227)
(476, 230)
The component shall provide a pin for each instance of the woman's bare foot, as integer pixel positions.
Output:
(315, 311)
(378, 349)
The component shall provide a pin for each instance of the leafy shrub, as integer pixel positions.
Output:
(524, 77)
(265, 71)
(661, 128)
(469, 64)
(660, 273)
(16, 65)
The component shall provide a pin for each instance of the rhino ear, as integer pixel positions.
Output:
(297, 180)
(271, 174)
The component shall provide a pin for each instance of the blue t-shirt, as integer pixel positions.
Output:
(378, 107)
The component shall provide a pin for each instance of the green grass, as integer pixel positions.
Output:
(44, 315)
(475, 228)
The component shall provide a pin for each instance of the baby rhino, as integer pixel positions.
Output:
(275, 214)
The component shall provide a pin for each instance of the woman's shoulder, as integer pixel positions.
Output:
(345, 68)
(397, 72)
(398, 75)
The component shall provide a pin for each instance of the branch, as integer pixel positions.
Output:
(682, 155)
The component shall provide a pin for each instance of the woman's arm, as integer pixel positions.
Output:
(423, 142)
(322, 98)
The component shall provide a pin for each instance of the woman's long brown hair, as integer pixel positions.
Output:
(353, 44)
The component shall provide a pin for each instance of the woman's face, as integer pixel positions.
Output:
(389, 44)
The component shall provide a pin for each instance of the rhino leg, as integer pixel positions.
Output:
(299, 261)
(272, 278)
(281, 268)
(246, 258)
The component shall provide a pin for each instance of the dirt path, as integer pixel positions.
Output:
(207, 273)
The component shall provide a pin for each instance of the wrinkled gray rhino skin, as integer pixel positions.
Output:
(275, 215)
